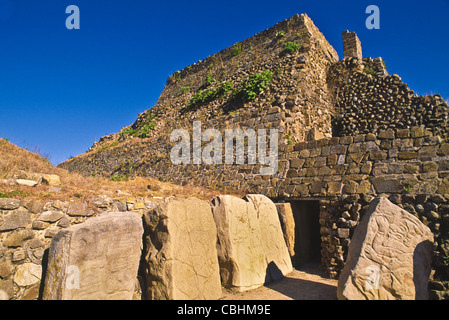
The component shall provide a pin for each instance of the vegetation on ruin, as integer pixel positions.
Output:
(210, 94)
(142, 130)
(237, 50)
(291, 47)
(370, 71)
(254, 85)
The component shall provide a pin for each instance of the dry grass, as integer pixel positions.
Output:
(17, 163)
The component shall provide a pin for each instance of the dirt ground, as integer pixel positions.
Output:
(305, 284)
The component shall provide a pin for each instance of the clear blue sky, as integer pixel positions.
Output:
(61, 90)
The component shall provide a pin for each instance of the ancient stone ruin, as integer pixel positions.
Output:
(349, 133)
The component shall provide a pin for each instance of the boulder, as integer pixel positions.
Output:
(51, 179)
(389, 256)
(27, 183)
(180, 257)
(95, 260)
(251, 246)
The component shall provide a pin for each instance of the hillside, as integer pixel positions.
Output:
(22, 176)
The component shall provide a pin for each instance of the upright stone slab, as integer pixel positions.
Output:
(288, 225)
(251, 246)
(180, 251)
(240, 244)
(389, 256)
(95, 260)
(276, 251)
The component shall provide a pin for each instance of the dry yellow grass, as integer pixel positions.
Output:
(17, 163)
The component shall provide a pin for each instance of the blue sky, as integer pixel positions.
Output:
(61, 90)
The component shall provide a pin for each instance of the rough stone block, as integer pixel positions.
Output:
(95, 260)
(387, 184)
(15, 220)
(389, 257)
(288, 225)
(181, 256)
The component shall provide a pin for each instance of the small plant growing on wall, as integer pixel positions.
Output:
(237, 50)
(185, 89)
(291, 47)
(280, 34)
(407, 187)
(370, 71)
(209, 79)
(254, 85)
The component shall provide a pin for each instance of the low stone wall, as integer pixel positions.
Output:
(27, 229)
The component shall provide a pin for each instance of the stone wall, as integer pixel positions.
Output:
(370, 100)
(26, 231)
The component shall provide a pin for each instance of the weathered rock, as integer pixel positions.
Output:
(251, 246)
(239, 247)
(15, 239)
(389, 256)
(181, 256)
(34, 206)
(28, 274)
(276, 252)
(51, 179)
(15, 220)
(6, 289)
(288, 225)
(27, 183)
(95, 260)
(9, 204)
(50, 216)
(6, 268)
(79, 210)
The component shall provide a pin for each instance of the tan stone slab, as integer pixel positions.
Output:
(95, 260)
(389, 256)
(181, 257)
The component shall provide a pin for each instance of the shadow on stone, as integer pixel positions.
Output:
(422, 260)
(44, 273)
(273, 273)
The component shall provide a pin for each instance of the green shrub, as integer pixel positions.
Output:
(254, 85)
(209, 79)
(185, 89)
(146, 129)
(142, 130)
(280, 34)
(118, 177)
(291, 47)
(370, 71)
(112, 144)
(208, 95)
(237, 50)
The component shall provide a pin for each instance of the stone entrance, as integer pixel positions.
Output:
(306, 214)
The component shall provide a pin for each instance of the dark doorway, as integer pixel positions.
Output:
(307, 233)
